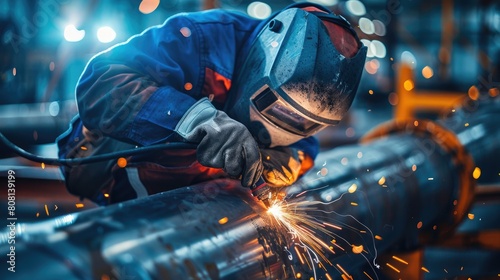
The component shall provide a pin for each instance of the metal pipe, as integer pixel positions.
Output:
(406, 184)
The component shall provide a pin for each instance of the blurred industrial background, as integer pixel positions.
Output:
(424, 58)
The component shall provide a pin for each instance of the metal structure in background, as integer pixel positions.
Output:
(413, 186)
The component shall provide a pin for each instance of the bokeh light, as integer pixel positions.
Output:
(355, 7)
(408, 58)
(106, 34)
(72, 34)
(259, 10)
(366, 26)
(148, 6)
(379, 27)
(325, 2)
(378, 48)
(427, 72)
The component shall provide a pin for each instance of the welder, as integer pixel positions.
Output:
(248, 93)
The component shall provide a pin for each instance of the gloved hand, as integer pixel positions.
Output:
(222, 142)
(282, 165)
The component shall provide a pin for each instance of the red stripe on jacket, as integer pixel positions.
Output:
(216, 86)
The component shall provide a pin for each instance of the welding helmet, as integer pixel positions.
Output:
(300, 75)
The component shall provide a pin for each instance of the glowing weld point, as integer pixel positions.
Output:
(276, 211)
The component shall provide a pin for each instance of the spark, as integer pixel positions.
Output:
(295, 216)
(367, 275)
(357, 249)
(400, 260)
(352, 217)
(331, 225)
(352, 188)
(425, 269)
(301, 193)
(299, 254)
(395, 269)
(301, 226)
(343, 270)
(338, 246)
(121, 162)
(381, 181)
(47, 210)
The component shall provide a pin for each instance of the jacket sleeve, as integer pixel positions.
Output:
(137, 91)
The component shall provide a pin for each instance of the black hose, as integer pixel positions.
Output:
(76, 161)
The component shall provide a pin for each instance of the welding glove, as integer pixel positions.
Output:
(282, 165)
(222, 142)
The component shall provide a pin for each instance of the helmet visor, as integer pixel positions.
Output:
(282, 114)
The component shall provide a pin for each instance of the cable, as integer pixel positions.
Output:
(77, 161)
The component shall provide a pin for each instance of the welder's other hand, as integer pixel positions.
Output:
(222, 142)
(282, 165)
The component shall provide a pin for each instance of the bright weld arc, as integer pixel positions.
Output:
(289, 214)
(304, 232)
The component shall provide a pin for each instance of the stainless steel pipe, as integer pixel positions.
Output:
(406, 184)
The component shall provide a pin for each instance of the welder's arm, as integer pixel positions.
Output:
(284, 165)
(222, 142)
(135, 91)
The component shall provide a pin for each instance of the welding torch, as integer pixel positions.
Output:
(262, 191)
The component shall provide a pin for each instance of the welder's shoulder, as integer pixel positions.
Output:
(218, 18)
